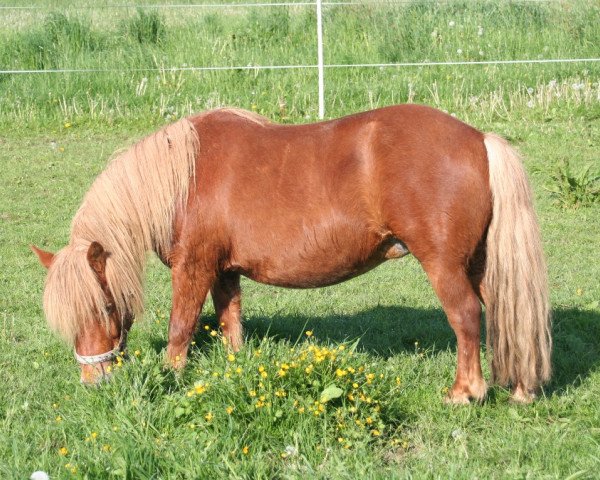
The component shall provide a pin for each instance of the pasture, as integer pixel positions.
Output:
(341, 382)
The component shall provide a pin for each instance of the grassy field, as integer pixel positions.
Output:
(361, 396)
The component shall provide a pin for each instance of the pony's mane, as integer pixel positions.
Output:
(129, 210)
(253, 117)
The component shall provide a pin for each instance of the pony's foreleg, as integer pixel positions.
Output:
(226, 295)
(463, 309)
(191, 284)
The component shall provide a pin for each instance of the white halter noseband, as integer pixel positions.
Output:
(94, 359)
(103, 357)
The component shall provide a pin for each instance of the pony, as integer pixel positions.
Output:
(227, 193)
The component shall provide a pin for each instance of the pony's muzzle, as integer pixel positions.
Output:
(96, 368)
(96, 373)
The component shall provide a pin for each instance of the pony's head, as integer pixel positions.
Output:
(80, 306)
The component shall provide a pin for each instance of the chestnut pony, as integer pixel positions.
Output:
(228, 193)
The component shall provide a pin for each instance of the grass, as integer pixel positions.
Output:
(384, 331)
(142, 47)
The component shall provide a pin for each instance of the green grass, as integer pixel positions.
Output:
(56, 133)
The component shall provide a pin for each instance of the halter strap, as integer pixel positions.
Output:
(94, 359)
(106, 356)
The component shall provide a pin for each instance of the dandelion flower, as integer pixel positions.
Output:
(63, 451)
(291, 451)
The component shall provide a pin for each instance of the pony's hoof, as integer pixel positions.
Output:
(456, 399)
(477, 391)
(522, 396)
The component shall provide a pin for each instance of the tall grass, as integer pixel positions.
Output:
(140, 47)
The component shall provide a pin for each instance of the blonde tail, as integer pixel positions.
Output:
(515, 281)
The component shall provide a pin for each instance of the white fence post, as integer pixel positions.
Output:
(320, 60)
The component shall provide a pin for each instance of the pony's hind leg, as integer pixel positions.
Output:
(461, 304)
(191, 284)
(226, 295)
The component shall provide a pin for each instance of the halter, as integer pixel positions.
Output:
(103, 357)
(94, 359)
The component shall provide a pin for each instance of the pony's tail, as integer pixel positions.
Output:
(515, 281)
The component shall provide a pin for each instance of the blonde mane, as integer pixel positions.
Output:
(251, 116)
(129, 210)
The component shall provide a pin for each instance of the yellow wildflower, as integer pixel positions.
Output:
(245, 450)
(309, 333)
(229, 410)
(63, 451)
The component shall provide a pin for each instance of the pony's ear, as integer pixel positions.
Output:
(45, 258)
(96, 257)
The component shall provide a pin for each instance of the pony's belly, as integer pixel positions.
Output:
(292, 269)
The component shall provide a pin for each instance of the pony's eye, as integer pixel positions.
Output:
(110, 308)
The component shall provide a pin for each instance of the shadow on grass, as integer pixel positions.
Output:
(387, 331)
